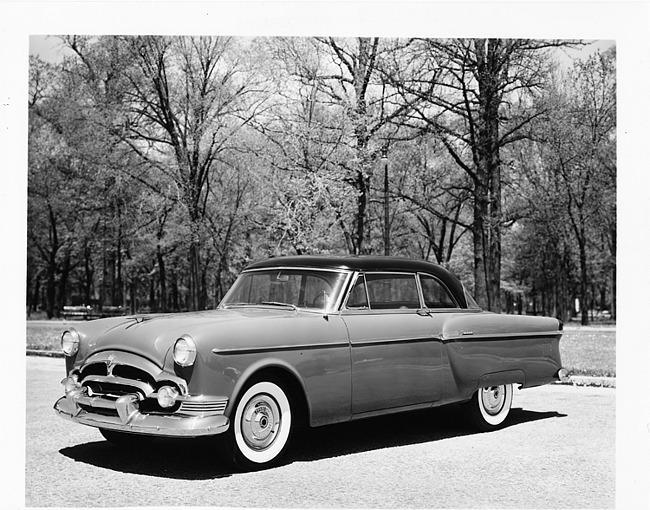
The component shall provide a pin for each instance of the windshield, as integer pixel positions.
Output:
(301, 288)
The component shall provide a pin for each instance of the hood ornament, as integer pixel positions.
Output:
(110, 363)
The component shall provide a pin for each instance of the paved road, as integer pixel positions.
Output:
(557, 452)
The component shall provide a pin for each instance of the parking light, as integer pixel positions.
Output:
(167, 396)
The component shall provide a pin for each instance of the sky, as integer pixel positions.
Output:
(626, 22)
(50, 48)
(47, 47)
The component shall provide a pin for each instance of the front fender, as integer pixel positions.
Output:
(256, 367)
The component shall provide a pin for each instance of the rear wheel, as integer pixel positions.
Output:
(260, 427)
(489, 407)
(126, 440)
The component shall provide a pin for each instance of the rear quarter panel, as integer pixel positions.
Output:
(487, 349)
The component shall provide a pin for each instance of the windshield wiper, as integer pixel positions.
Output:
(278, 303)
(235, 304)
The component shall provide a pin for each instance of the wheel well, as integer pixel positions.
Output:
(288, 382)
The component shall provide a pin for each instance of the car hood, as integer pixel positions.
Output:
(153, 336)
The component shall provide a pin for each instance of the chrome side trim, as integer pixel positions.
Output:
(275, 348)
(375, 343)
(463, 336)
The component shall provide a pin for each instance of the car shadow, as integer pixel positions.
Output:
(394, 430)
(196, 459)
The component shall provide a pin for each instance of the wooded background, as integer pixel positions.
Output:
(160, 166)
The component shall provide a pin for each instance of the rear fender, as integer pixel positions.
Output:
(505, 377)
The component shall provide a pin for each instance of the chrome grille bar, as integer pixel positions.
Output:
(199, 406)
(143, 387)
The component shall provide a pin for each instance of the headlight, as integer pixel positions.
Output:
(167, 396)
(185, 351)
(70, 342)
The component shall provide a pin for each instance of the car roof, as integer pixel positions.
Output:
(366, 263)
(352, 262)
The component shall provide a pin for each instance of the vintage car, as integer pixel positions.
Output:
(310, 340)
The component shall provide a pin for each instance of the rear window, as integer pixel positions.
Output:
(435, 294)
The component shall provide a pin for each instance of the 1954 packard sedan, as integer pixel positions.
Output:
(308, 340)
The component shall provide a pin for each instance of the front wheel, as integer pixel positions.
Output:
(489, 407)
(260, 427)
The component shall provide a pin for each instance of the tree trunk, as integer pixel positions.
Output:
(133, 291)
(89, 275)
(50, 289)
(489, 168)
(162, 278)
(478, 235)
(362, 205)
(36, 292)
(62, 285)
(195, 276)
(584, 306)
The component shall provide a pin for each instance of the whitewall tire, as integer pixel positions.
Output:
(489, 407)
(260, 427)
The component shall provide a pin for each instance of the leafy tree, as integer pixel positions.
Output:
(475, 96)
(159, 166)
(578, 151)
(72, 187)
(340, 101)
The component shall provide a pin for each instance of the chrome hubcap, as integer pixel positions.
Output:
(260, 422)
(493, 399)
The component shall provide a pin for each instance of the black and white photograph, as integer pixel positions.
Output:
(326, 254)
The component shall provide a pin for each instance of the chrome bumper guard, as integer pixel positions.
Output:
(563, 376)
(130, 419)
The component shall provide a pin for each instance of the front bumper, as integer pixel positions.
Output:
(130, 419)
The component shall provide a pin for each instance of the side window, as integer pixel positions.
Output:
(435, 294)
(392, 291)
(358, 297)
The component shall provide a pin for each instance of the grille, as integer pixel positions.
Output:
(106, 380)
(110, 390)
(113, 375)
(129, 372)
(94, 369)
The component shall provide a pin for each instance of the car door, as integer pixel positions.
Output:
(395, 343)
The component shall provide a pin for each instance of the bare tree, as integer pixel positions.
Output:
(475, 95)
(191, 97)
(342, 79)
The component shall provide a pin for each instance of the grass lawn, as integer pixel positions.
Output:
(45, 335)
(585, 350)
(589, 350)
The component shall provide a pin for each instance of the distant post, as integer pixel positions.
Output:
(384, 158)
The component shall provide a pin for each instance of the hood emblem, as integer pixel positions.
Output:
(110, 363)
